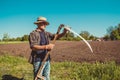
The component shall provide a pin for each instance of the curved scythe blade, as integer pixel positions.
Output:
(80, 37)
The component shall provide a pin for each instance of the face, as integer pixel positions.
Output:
(42, 26)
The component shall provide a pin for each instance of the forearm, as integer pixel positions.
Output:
(38, 47)
(61, 35)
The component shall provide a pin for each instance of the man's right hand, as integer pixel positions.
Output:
(50, 46)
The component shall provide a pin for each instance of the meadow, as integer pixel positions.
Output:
(18, 68)
(73, 61)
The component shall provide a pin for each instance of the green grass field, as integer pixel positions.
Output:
(18, 67)
(12, 42)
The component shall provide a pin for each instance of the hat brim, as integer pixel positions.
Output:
(38, 22)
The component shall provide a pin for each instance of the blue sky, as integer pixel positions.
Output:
(95, 16)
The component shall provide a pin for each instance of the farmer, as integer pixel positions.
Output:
(39, 40)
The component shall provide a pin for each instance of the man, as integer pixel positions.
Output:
(39, 40)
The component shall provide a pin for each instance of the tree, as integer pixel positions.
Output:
(110, 29)
(12, 39)
(114, 32)
(25, 38)
(106, 37)
(119, 29)
(18, 39)
(6, 37)
(69, 36)
(91, 37)
(77, 38)
(85, 34)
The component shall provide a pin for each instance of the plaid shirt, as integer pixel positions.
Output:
(35, 39)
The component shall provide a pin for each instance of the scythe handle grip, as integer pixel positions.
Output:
(59, 28)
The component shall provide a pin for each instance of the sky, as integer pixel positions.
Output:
(17, 17)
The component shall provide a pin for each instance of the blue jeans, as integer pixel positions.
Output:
(46, 69)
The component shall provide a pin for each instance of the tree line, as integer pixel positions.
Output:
(6, 37)
(113, 33)
(69, 36)
(85, 34)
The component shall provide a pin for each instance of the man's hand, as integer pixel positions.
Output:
(50, 46)
(65, 31)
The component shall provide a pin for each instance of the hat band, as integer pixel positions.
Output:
(40, 20)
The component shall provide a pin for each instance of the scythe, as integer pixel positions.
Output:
(68, 28)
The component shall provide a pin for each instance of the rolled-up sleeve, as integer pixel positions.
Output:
(33, 40)
(51, 36)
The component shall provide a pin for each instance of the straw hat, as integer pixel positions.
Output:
(41, 20)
